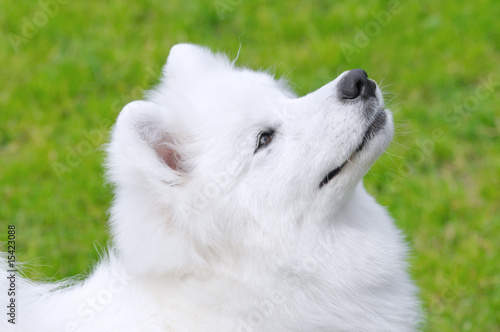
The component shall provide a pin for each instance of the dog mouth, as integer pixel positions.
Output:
(376, 125)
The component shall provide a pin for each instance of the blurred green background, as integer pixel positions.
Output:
(67, 68)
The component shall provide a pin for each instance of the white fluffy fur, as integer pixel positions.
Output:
(208, 236)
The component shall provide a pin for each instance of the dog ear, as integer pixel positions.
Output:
(147, 166)
(186, 60)
(145, 144)
(150, 123)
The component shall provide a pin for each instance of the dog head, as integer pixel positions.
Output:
(222, 162)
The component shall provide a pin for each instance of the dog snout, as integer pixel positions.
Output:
(355, 84)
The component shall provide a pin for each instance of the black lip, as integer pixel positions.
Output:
(332, 174)
(376, 125)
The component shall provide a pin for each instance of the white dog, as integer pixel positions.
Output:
(240, 207)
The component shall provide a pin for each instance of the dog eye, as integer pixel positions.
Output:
(264, 139)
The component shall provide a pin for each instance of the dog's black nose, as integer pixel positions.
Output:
(356, 84)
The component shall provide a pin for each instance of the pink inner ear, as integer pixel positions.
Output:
(161, 142)
(169, 156)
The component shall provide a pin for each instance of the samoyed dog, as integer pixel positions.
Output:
(239, 207)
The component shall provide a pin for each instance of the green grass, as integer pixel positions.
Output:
(440, 181)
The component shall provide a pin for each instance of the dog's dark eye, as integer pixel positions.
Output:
(264, 139)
